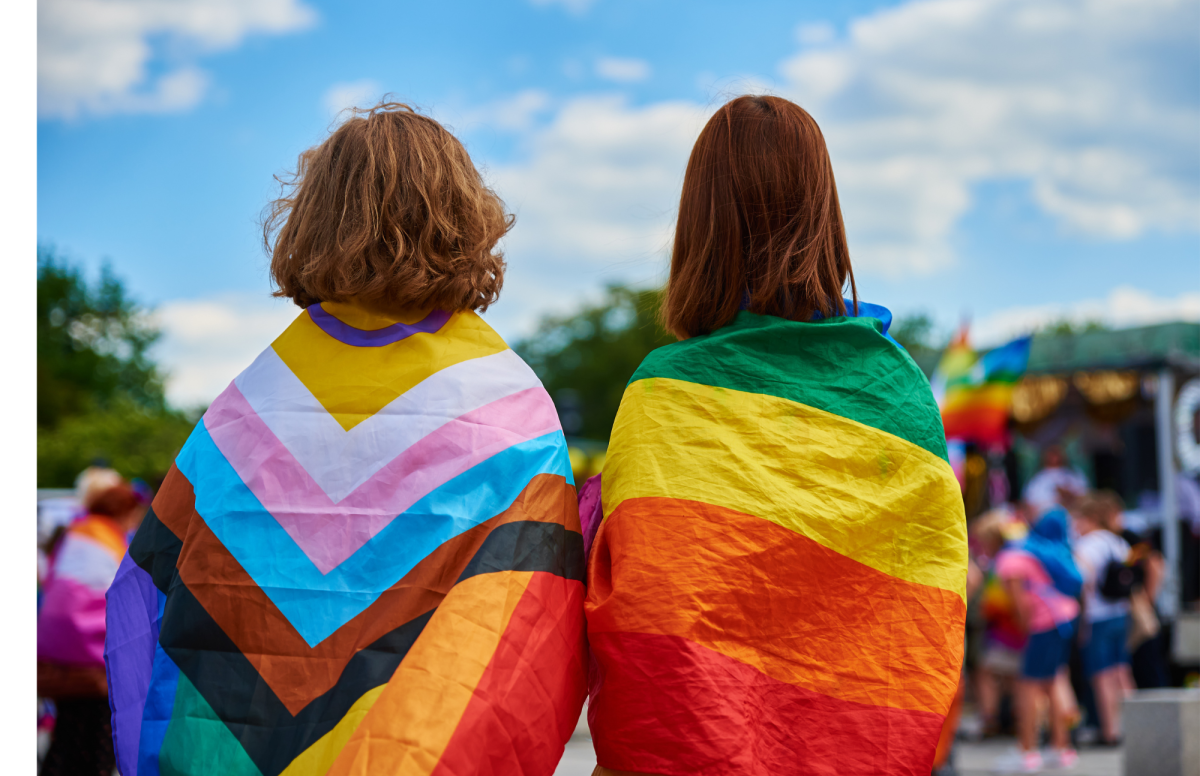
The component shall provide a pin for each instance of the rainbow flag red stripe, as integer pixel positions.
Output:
(778, 582)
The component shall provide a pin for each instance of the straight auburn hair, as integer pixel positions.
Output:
(759, 223)
(389, 210)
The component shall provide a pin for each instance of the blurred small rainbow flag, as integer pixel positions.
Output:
(975, 392)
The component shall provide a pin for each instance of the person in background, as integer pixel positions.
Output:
(1040, 576)
(71, 626)
(1147, 656)
(1003, 637)
(1105, 653)
(1055, 482)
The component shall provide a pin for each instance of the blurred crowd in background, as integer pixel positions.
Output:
(1062, 618)
(83, 535)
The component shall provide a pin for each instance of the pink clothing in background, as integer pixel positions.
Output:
(71, 625)
(1050, 608)
(591, 512)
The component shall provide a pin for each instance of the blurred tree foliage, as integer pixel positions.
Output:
(100, 395)
(131, 439)
(586, 359)
(916, 333)
(1067, 328)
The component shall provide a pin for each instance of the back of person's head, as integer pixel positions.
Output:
(759, 222)
(1053, 457)
(1052, 526)
(93, 481)
(1101, 509)
(389, 211)
(116, 501)
(989, 530)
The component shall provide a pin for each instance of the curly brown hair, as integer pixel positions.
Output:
(391, 211)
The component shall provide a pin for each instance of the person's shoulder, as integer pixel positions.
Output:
(1118, 543)
(842, 366)
(1038, 480)
(1100, 544)
(1090, 542)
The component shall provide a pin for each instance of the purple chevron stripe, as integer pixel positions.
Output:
(375, 338)
(133, 617)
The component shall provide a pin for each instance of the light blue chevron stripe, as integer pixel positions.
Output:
(318, 604)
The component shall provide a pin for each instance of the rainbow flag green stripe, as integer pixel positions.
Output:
(824, 364)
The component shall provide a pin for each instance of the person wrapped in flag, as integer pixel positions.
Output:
(777, 583)
(367, 557)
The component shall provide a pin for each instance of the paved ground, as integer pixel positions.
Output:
(971, 759)
(977, 759)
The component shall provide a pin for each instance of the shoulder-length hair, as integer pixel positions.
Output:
(389, 210)
(759, 223)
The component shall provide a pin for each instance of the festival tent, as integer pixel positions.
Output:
(1126, 403)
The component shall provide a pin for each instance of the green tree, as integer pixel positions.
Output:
(131, 439)
(100, 395)
(92, 344)
(586, 359)
(915, 332)
(1067, 328)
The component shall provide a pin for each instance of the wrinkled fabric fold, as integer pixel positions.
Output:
(777, 585)
(366, 554)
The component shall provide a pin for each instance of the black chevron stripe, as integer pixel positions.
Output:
(270, 734)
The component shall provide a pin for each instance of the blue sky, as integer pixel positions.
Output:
(1011, 160)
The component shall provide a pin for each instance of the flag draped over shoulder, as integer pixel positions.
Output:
(365, 560)
(976, 392)
(778, 582)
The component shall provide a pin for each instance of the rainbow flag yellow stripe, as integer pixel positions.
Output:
(844, 483)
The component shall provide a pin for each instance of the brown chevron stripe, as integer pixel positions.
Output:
(271, 735)
(295, 672)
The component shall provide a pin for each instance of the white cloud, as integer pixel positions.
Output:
(815, 33)
(95, 56)
(622, 70)
(1087, 102)
(1090, 102)
(207, 342)
(512, 114)
(574, 6)
(595, 194)
(351, 94)
(601, 181)
(1124, 306)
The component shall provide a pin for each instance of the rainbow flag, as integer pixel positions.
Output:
(975, 392)
(778, 582)
(365, 560)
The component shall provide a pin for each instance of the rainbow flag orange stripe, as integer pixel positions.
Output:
(778, 582)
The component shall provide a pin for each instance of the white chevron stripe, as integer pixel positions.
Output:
(339, 460)
(86, 561)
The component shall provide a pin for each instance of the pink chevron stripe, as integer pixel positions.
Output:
(329, 533)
